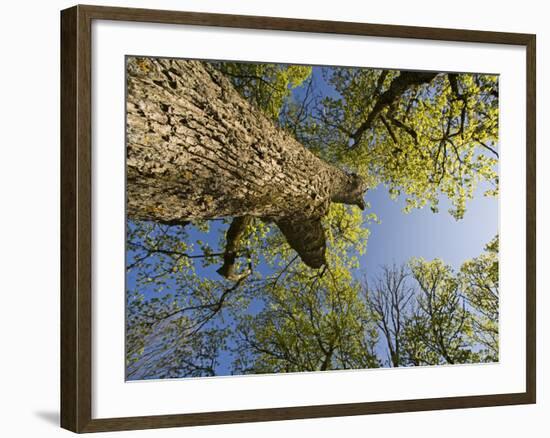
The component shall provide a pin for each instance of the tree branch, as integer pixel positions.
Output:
(397, 87)
(233, 238)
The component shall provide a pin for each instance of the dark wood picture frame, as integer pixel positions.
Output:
(76, 217)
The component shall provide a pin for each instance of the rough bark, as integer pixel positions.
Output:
(197, 150)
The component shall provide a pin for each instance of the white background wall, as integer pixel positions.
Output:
(29, 206)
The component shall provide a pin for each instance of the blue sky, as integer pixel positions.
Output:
(422, 233)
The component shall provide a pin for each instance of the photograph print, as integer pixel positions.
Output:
(294, 218)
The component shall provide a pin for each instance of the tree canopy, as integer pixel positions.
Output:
(424, 136)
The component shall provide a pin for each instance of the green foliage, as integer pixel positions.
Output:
(267, 86)
(442, 321)
(308, 324)
(479, 279)
(311, 320)
(428, 314)
(179, 330)
(434, 138)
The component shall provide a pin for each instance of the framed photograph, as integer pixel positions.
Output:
(269, 219)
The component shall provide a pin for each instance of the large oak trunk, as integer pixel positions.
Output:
(197, 150)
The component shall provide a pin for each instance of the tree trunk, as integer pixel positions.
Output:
(197, 150)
